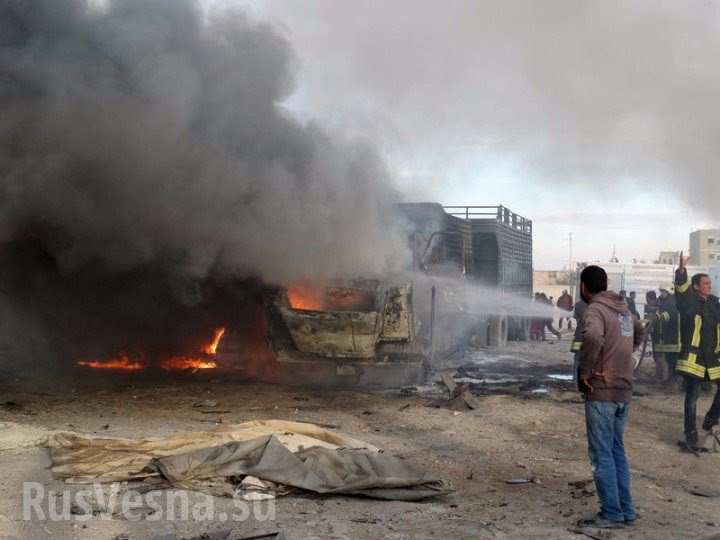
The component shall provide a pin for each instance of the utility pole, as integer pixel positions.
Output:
(570, 253)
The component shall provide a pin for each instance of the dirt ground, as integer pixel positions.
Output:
(529, 426)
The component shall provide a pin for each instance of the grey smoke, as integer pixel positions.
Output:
(609, 94)
(146, 161)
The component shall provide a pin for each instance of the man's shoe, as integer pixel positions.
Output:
(599, 522)
(630, 522)
(709, 423)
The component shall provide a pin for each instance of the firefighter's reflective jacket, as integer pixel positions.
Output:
(699, 330)
(666, 331)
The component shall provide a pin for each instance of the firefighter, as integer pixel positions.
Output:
(666, 333)
(652, 307)
(700, 347)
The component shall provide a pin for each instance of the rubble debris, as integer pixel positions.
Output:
(206, 403)
(595, 534)
(215, 535)
(709, 493)
(582, 488)
(521, 481)
(461, 398)
(15, 407)
(449, 382)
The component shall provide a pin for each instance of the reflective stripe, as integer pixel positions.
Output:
(717, 343)
(714, 373)
(691, 366)
(677, 346)
(683, 288)
(576, 346)
(696, 333)
(667, 348)
(665, 316)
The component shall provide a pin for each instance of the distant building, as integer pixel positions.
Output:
(668, 257)
(705, 247)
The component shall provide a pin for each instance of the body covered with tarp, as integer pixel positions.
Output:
(282, 454)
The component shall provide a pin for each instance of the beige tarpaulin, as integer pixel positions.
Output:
(291, 454)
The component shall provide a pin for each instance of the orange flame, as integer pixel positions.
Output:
(187, 362)
(311, 296)
(182, 362)
(211, 348)
(120, 362)
(306, 295)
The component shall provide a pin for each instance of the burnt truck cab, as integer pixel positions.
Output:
(352, 333)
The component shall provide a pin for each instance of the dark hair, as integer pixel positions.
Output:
(594, 278)
(697, 277)
(650, 295)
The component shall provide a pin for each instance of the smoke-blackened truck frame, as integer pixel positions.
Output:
(382, 332)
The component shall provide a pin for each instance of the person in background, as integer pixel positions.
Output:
(565, 303)
(699, 358)
(535, 323)
(632, 304)
(610, 335)
(667, 338)
(547, 322)
(653, 326)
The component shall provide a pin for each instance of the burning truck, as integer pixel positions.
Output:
(381, 332)
(385, 332)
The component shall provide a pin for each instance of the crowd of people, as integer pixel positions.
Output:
(682, 322)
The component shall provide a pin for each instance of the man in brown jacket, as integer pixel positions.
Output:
(610, 335)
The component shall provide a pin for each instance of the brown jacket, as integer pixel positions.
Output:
(610, 335)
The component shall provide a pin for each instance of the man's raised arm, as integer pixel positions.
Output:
(682, 284)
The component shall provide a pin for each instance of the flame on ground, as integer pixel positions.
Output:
(211, 348)
(203, 360)
(187, 362)
(120, 362)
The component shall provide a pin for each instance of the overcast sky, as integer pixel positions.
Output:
(597, 117)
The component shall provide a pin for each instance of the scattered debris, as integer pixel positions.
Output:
(461, 398)
(596, 534)
(206, 403)
(219, 535)
(11, 406)
(15, 407)
(583, 488)
(704, 492)
(521, 481)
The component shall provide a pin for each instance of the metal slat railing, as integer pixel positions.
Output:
(498, 213)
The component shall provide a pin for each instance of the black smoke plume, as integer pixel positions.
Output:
(150, 177)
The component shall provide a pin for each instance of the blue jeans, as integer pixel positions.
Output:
(605, 421)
